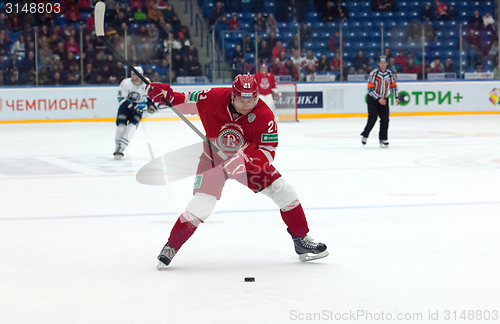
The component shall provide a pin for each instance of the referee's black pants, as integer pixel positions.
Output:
(375, 109)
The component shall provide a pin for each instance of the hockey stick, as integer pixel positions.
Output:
(100, 9)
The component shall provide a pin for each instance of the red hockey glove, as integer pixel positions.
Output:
(158, 90)
(237, 165)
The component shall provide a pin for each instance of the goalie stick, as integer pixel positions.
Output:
(100, 9)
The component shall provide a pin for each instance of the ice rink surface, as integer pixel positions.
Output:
(413, 230)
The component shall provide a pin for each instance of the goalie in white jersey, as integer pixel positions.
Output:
(133, 102)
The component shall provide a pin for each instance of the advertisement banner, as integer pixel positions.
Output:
(326, 99)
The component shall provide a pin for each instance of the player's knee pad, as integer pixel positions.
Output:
(121, 119)
(201, 206)
(282, 193)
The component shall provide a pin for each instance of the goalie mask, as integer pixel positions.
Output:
(245, 93)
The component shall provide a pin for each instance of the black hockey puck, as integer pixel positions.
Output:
(249, 279)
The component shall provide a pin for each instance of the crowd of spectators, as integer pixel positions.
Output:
(274, 51)
(62, 60)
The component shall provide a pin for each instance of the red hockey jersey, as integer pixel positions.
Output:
(266, 82)
(255, 133)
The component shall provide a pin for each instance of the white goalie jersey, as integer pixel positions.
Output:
(131, 92)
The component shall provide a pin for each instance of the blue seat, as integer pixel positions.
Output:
(400, 35)
(413, 45)
(312, 16)
(237, 35)
(293, 26)
(331, 25)
(269, 7)
(359, 45)
(362, 36)
(320, 46)
(308, 45)
(349, 35)
(315, 36)
(374, 34)
(363, 15)
(388, 14)
(330, 55)
(372, 45)
(226, 35)
(415, 5)
(391, 23)
(388, 35)
(376, 14)
(325, 35)
(367, 24)
(282, 25)
(245, 26)
(448, 54)
(288, 35)
(249, 57)
(401, 14)
(319, 25)
(414, 15)
(450, 44)
(250, 15)
(435, 55)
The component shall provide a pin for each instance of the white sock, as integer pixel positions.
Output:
(120, 131)
(127, 138)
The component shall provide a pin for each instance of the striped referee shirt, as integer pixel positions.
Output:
(380, 83)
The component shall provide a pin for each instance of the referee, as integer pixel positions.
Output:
(380, 82)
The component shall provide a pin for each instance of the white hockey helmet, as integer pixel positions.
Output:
(139, 69)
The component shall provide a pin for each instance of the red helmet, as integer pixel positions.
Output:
(245, 86)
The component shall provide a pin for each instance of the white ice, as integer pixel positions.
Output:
(412, 229)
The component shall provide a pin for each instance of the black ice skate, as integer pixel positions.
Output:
(166, 256)
(118, 153)
(364, 140)
(384, 143)
(307, 249)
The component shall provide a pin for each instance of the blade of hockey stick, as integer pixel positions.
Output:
(100, 9)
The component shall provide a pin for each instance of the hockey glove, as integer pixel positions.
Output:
(151, 107)
(158, 90)
(237, 165)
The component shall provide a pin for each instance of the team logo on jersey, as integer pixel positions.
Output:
(264, 83)
(251, 117)
(134, 96)
(231, 139)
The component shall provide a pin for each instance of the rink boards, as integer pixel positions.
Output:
(314, 100)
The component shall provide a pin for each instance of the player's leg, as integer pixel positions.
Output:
(384, 125)
(121, 124)
(134, 118)
(271, 184)
(372, 118)
(207, 190)
(292, 213)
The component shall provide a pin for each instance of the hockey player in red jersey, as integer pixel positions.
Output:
(267, 88)
(244, 128)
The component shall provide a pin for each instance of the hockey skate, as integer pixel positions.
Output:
(307, 249)
(165, 257)
(384, 143)
(118, 153)
(364, 140)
